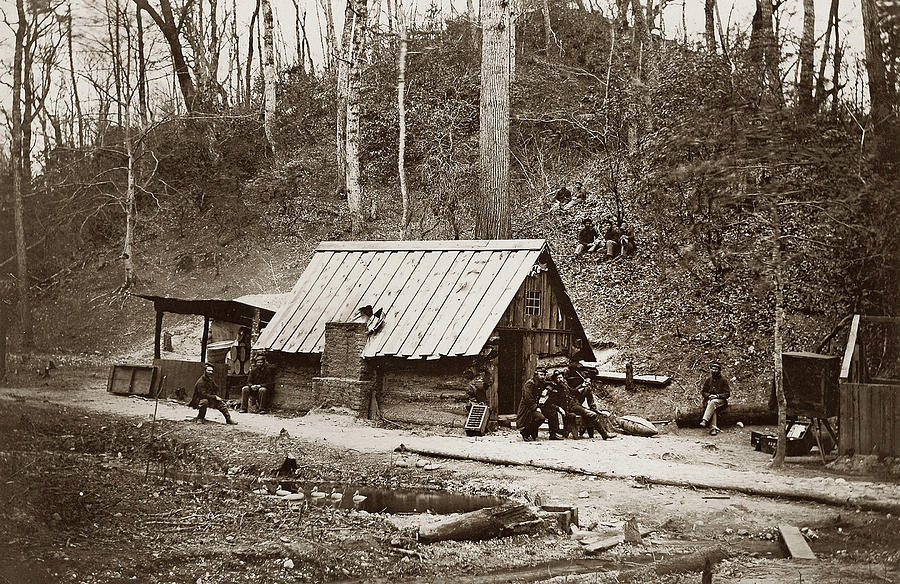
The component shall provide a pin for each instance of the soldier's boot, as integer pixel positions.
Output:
(201, 414)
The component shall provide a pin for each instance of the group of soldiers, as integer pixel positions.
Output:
(618, 238)
(552, 398)
(256, 389)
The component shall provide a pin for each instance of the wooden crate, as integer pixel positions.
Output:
(133, 380)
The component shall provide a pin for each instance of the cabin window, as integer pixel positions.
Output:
(533, 302)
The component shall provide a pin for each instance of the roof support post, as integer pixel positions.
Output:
(157, 334)
(205, 340)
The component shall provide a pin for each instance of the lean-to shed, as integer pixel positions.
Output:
(447, 306)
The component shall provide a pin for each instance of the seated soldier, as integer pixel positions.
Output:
(627, 242)
(582, 394)
(260, 384)
(206, 395)
(562, 199)
(613, 238)
(574, 408)
(552, 404)
(579, 193)
(588, 237)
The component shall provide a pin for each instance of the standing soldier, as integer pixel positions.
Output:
(206, 395)
(528, 416)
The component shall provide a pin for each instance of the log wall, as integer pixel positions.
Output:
(424, 392)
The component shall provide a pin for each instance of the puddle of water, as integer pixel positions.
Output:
(392, 500)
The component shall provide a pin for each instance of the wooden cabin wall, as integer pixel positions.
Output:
(426, 392)
(548, 333)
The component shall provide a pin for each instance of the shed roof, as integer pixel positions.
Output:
(218, 309)
(440, 298)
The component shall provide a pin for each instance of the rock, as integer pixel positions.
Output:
(288, 564)
(282, 493)
(229, 538)
(421, 463)
(432, 466)
(633, 532)
(401, 462)
(583, 495)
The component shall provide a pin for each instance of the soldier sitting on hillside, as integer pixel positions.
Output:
(627, 243)
(562, 199)
(588, 238)
(613, 238)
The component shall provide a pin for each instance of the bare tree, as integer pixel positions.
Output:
(401, 115)
(826, 50)
(269, 76)
(354, 79)
(492, 218)
(807, 48)
(171, 27)
(342, 89)
(22, 277)
(709, 10)
(879, 92)
(249, 64)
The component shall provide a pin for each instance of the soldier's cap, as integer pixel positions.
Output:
(715, 365)
(210, 365)
(259, 357)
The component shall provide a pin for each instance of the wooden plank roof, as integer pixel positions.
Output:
(440, 298)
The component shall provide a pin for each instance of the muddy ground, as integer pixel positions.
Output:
(97, 492)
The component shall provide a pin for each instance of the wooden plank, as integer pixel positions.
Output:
(309, 341)
(599, 545)
(485, 318)
(502, 291)
(454, 304)
(845, 418)
(356, 295)
(434, 245)
(432, 313)
(850, 349)
(480, 283)
(310, 312)
(271, 336)
(876, 419)
(403, 302)
(880, 319)
(388, 289)
(888, 429)
(419, 302)
(795, 543)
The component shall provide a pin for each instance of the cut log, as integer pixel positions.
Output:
(616, 377)
(748, 414)
(509, 519)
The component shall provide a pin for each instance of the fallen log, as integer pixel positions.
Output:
(747, 414)
(692, 562)
(509, 519)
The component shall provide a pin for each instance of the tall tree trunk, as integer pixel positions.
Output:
(74, 82)
(709, 11)
(236, 56)
(130, 207)
(879, 93)
(777, 272)
(343, 72)
(807, 47)
(112, 25)
(641, 39)
(836, 65)
(301, 58)
(514, 11)
(819, 97)
(170, 29)
(401, 115)
(143, 105)
(492, 219)
(269, 76)
(22, 277)
(764, 50)
(549, 37)
(248, 77)
(354, 81)
(330, 37)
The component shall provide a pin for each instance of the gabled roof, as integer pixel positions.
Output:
(440, 298)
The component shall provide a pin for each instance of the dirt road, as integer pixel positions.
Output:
(685, 518)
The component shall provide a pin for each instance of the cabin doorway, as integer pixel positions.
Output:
(511, 371)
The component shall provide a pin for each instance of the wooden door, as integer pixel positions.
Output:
(511, 371)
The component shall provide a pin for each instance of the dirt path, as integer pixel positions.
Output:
(685, 518)
(689, 457)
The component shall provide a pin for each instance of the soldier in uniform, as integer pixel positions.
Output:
(260, 384)
(529, 417)
(206, 395)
